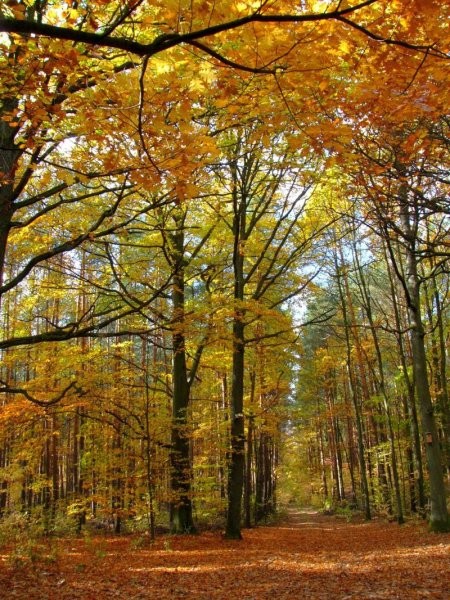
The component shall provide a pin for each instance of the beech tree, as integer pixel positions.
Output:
(270, 233)
(370, 363)
(414, 197)
(180, 255)
(92, 38)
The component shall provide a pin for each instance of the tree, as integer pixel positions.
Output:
(180, 255)
(154, 123)
(268, 241)
(409, 170)
(48, 100)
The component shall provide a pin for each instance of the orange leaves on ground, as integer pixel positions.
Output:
(309, 556)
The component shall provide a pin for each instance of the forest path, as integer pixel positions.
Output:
(306, 556)
(306, 517)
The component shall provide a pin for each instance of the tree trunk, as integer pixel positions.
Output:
(323, 470)
(354, 396)
(236, 465)
(352, 454)
(410, 403)
(439, 519)
(381, 388)
(181, 518)
(439, 362)
(9, 155)
(249, 457)
(148, 440)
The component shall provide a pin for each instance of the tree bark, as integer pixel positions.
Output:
(439, 519)
(181, 517)
(354, 395)
(236, 465)
(9, 155)
(410, 403)
(381, 388)
(248, 487)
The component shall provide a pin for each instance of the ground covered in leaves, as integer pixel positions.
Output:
(309, 556)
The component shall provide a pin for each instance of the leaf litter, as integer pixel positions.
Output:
(308, 556)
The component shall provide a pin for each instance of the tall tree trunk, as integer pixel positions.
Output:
(55, 465)
(381, 387)
(323, 469)
(236, 465)
(9, 155)
(354, 394)
(334, 443)
(410, 401)
(249, 456)
(439, 362)
(148, 438)
(181, 518)
(352, 453)
(223, 413)
(263, 497)
(439, 518)
(47, 472)
(443, 399)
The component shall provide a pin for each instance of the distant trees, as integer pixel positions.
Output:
(393, 252)
(169, 277)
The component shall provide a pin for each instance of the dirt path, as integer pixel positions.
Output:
(308, 556)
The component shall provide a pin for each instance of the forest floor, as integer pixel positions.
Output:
(307, 556)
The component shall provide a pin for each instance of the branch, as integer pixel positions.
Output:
(234, 65)
(96, 329)
(324, 318)
(9, 390)
(427, 49)
(63, 247)
(170, 40)
(140, 115)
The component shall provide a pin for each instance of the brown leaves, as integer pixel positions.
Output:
(308, 557)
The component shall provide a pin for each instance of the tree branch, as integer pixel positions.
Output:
(43, 403)
(169, 40)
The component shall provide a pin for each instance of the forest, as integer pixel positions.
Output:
(224, 264)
